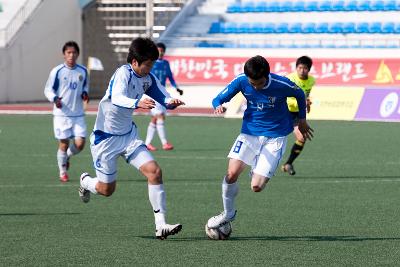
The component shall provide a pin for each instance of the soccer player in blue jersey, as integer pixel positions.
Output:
(266, 125)
(115, 134)
(67, 87)
(162, 71)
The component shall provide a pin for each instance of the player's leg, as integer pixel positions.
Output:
(295, 151)
(139, 157)
(62, 132)
(162, 132)
(151, 129)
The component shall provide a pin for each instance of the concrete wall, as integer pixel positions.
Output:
(26, 62)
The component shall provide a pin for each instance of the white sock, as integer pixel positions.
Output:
(151, 129)
(72, 150)
(157, 200)
(89, 183)
(161, 131)
(62, 161)
(229, 192)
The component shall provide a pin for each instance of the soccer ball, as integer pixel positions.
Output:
(221, 233)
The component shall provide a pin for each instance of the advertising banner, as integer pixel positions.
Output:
(334, 103)
(379, 105)
(344, 72)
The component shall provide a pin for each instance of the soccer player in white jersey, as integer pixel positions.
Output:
(266, 124)
(162, 71)
(115, 134)
(67, 87)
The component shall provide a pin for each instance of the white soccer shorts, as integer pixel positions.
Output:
(261, 153)
(158, 110)
(69, 127)
(105, 154)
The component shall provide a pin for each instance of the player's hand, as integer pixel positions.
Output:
(180, 91)
(176, 103)
(305, 129)
(308, 105)
(57, 102)
(85, 97)
(146, 103)
(220, 109)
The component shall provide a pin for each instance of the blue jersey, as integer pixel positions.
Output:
(162, 71)
(267, 113)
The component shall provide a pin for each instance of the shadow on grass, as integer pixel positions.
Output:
(346, 177)
(38, 214)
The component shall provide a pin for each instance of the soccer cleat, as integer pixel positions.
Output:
(150, 147)
(168, 229)
(84, 194)
(288, 168)
(64, 177)
(167, 146)
(219, 220)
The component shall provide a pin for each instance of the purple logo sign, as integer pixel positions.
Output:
(379, 104)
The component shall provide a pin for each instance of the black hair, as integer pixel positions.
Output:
(304, 60)
(162, 45)
(142, 49)
(70, 44)
(256, 67)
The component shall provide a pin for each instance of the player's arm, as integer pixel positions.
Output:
(225, 96)
(51, 88)
(85, 88)
(171, 79)
(119, 92)
(304, 128)
(157, 92)
(308, 99)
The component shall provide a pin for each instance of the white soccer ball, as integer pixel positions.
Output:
(221, 233)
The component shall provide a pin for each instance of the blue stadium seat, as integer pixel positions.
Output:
(298, 6)
(335, 27)
(294, 27)
(256, 27)
(228, 27)
(268, 27)
(234, 8)
(321, 27)
(215, 28)
(308, 27)
(390, 5)
(350, 5)
(362, 27)
(243, 27)
(247, 6)
(375, 27)
(261, 6)
(363, 5)
(348, 27)
(387, 27)
(281, 28)
(337, 5)
(397, 28)
(285, 6)
(377, 5)
(311, 6)
(324, 6)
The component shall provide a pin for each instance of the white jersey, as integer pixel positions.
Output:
(69, 84)
(124, 91)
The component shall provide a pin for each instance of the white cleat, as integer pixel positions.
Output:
(168, 229)
(84, 194)
(219, 220)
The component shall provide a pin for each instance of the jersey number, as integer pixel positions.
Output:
(73, 85)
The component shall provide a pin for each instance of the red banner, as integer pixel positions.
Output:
(221, 70)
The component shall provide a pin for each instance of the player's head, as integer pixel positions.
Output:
(257, 71)
(142, 54)
(71, 52)
(161, 49)
(303, 67)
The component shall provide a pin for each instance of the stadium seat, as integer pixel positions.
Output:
(247, 7)
(350, 5)
(256, 27)
(375, 27)
(363, 5)
(377, 5)
(234, 8)
(281, 28)
(362, 27)
(387, 27)
(268, 27)
(324, 6)
(308, 27)
(215, 28)
(228, 27)
(311, 6)
(243, 27)
(260, 6)
(389, 5)
(348, 27)
(335, 27)
(285, 6)
(337, 5)
(321, 27)
(397, 28)
(297, 6)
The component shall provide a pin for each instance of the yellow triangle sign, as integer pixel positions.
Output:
(383, 75)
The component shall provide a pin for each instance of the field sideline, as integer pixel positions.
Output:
(342, 207)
